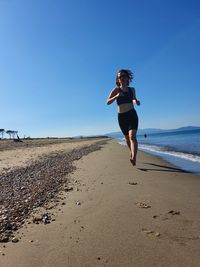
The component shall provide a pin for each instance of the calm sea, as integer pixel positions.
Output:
(181, 148)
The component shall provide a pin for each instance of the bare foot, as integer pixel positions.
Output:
(133, 162)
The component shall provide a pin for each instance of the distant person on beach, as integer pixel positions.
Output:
(127, 115)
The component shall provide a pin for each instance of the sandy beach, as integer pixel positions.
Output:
(108, 213)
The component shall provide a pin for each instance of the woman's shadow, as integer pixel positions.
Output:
(162, 168)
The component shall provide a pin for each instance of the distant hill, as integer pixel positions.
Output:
(188, 128)
(155, 130)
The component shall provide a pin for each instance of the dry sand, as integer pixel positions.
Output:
(142, 216)
(17, 157)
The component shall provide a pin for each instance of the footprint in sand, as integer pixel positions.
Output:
(142, 205)
(173, 212)
(150, 233)
(133, 183)
(184, 237)
(182, 240)
(82, 228)
(166, 216)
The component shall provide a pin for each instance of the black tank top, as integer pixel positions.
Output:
(126, 98)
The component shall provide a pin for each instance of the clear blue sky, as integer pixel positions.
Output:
(58, 61)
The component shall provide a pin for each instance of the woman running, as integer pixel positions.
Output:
(127, 115)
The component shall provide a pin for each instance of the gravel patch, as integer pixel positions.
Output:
(33, 186)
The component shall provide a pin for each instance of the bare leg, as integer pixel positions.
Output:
(128, 143)
(133, 145)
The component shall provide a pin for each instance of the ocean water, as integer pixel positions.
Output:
(181, 148)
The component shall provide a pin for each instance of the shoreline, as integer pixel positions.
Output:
(187, 165)
(116, 215)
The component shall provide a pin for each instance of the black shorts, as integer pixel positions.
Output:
(128, 121)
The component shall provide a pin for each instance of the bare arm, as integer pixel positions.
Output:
(135, 100)
(113, 96)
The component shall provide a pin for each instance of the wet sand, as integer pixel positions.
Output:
(115, 215)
